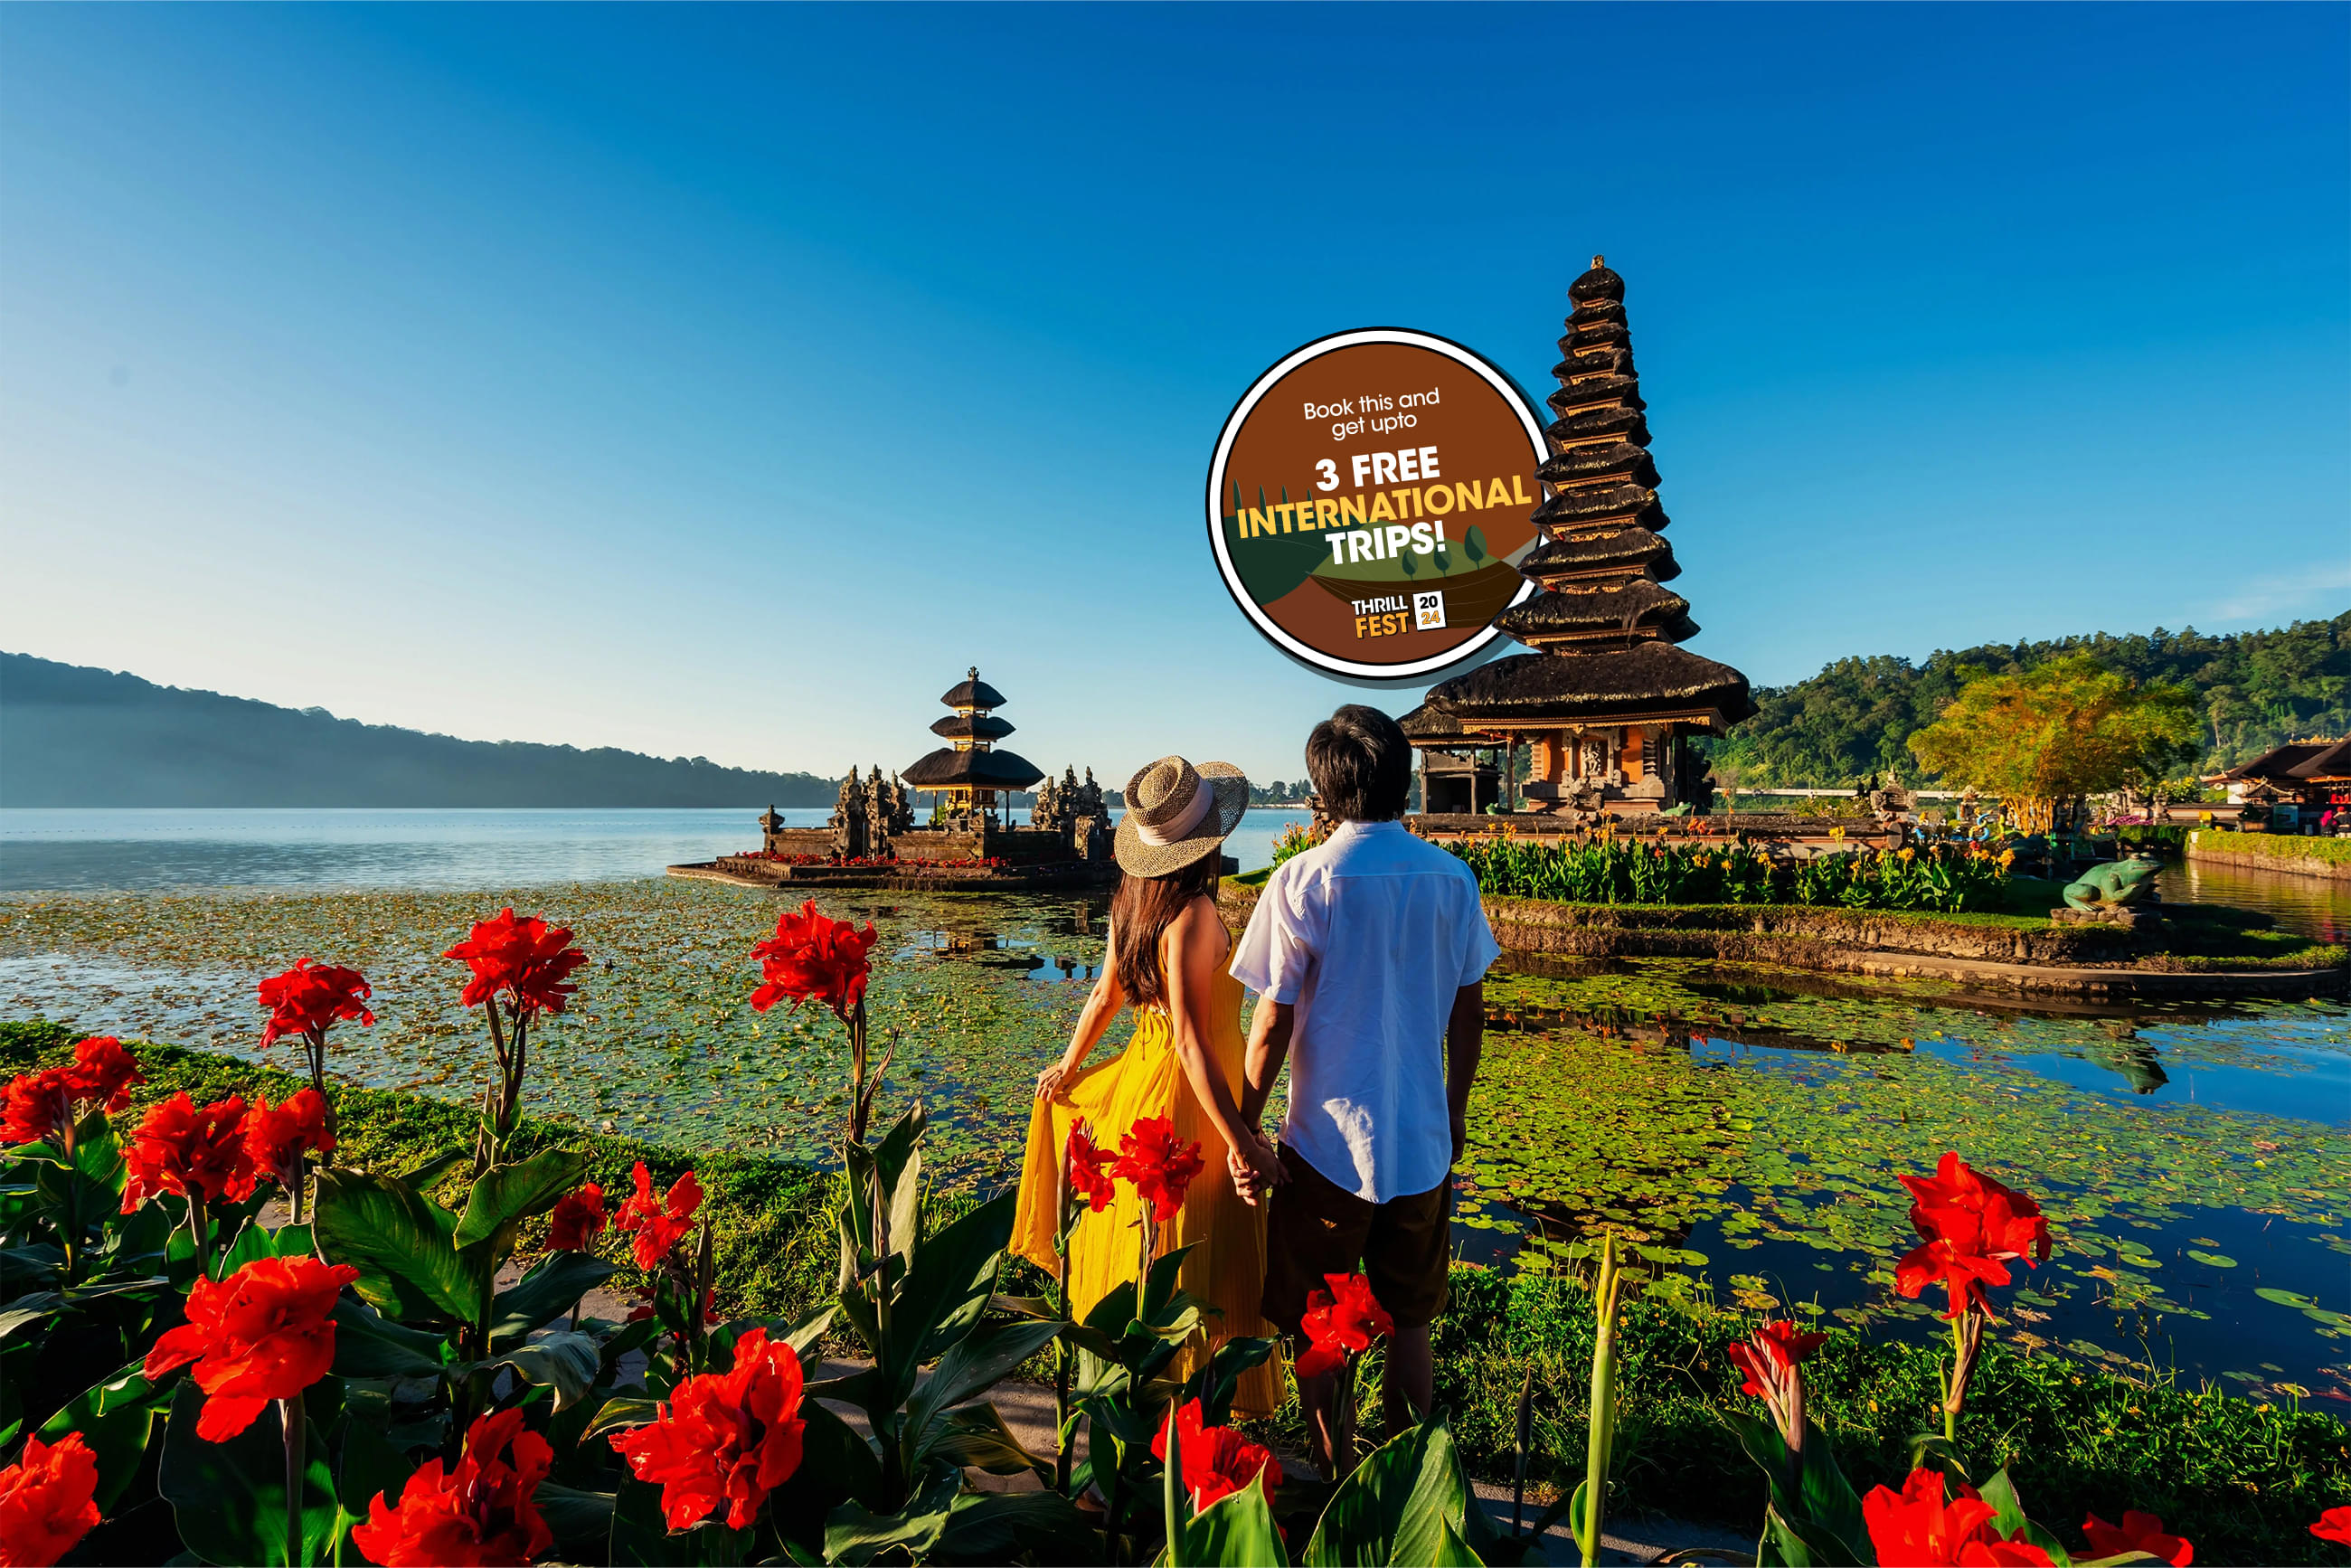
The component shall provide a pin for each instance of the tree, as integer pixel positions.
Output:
(1473, 545)
(2066, 728)
(1403, 560)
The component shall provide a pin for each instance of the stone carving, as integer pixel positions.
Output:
(849, 823)
(2114, 884)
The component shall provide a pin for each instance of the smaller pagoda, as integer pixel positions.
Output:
(970, 771)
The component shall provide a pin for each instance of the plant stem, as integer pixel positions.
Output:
(199, 1231)
(294, 1424)
(1063, 1435)
(1603, 1429)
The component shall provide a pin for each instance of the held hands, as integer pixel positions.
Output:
(1255, 1168)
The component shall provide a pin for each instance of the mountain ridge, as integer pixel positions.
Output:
(71, 735)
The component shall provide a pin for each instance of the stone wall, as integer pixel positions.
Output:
(934, 844)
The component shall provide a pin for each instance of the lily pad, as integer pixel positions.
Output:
(2211, 1259)
(2285, 1298)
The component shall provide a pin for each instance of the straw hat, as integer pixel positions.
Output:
(1175, 813)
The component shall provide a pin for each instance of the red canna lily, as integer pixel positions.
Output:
(1996, 1551)
(1090, 1169)
(38, 1105)
(1342, 1320)
(730, 1438)
(199, 1153)
(527, 960)
(1917, 1527)
(103, 1072)
(310, 997)
(277, 1136)
(267, 1331)
(813, 958)
(577, 1218)
(479, 1515)
(1774, 1348)
(2333, 1525)
(1971, 1227)
(1217, 1460)
(2138, 1532)
(45, 1501)
(660, 1223)
(1159, 1165)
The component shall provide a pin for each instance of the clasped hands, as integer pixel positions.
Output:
(1255, 1166)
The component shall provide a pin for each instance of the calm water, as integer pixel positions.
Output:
(115, 850)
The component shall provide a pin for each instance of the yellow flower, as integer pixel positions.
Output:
(1908, 854)
(2007, 859)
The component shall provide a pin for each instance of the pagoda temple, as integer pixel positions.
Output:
(969, 770)
(1606, 698)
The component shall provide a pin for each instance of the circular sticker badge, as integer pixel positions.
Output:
(1371, 497)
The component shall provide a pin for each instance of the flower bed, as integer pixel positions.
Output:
(2283, 848)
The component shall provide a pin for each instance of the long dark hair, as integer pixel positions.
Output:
(1141, 910)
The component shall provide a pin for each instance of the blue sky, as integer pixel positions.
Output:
(724, 380)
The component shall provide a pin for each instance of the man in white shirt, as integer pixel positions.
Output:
(1368, 954)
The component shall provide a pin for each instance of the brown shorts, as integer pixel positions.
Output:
(1316, 1227)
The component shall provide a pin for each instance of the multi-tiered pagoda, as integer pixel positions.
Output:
(1606, 698)
(969, 770)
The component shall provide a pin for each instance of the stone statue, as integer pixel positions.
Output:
(901, 806)
(2114, 883)
(1090, 798)
(849, 823)
(771, 823)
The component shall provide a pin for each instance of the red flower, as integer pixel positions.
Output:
(479, 1515)
(1159, 1165)
(1915, 1526)
(1766, 1358)
(812, 958)
(730, 1438)
(1971, 1225)
(526, 958)
(103, 1071)
(45, 1501)
(179, 1148)
(659, 1225)
(311, 996)
(1997, 1550)
(2333, 1525)
(277, 1136)
(578, 1219)
(264, 1333)
(38, 1104)
(2140, 1532)
(1089, 1177)
(1346, 1317)
(1217, 1460)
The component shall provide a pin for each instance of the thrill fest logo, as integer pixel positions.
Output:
(1370, 498)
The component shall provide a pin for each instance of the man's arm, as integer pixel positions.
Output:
(1464, 1040)
(1269, 1048)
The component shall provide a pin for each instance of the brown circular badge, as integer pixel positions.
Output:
(1371, 497)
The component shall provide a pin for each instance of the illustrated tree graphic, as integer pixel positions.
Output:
(1473, 545)
(1444, 558)
(1403, 560)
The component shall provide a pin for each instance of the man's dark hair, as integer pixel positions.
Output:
(1362, 765)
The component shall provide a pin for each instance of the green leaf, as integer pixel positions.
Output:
(370, 1345)
(229, 1498)
(369, 1466)
(946, 1290)
(402, 1242)
(574, 1515)
(1237, 1530)
(39, 1307)
(72, 1201)
(504, 1195)
(976, 1438)
(116, 1419)
(254, 1242)
(2284, 1298)
(423, 1177)
(1000, 1527)
(1398, 1505)
(543, 1294)
(566, 1362)
(855, 1536)
(975, 1366)
(831, 1449)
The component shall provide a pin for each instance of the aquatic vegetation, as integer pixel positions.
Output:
(1950, 878)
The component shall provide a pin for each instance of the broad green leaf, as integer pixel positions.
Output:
(566, 1362)
(1397, 1507)
(830, 1449)
(543, 1294)
(39, 1307)
(229, 1498)
(976, 1438)
(947, 1288)
(116, 1419)
(504, 1196)
(369, 1465)
(1237, 1530)
(1002, 1527)
(72, 1201)
(854, 1536)
(423, 1177)
(975, 1364)
(402, 1243)
(621, 1411)
(367, 1345)
(574, 1515)
(254, 1242)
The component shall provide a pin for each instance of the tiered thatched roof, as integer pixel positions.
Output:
(977, 764)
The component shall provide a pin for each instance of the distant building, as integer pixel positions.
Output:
(968, 772)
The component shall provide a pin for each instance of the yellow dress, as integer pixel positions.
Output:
(1226, 1269)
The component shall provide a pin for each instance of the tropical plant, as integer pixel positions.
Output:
(1948, 877)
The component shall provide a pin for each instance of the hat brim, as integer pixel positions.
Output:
(1231, 789)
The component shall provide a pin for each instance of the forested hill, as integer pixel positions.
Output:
(76, 736)
(2254, 690)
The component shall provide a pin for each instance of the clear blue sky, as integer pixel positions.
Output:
(724, 380)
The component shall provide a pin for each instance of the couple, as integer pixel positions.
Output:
(1367, 954)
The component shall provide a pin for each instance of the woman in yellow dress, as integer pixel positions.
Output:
(1168, 951)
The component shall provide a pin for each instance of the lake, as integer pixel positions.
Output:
(1744, 1125)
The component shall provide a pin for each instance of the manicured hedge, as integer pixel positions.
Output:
(2272, 846)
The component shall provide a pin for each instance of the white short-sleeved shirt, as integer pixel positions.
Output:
(1368, 936)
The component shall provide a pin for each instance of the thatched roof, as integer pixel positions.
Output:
(2298, 762)
(971, 727)
(948, 768)
(1629, 549)
(1428, 726)
(1616, 687)
(974, 693)
(1621, 459)
(1635, 505)
(1625, 608)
